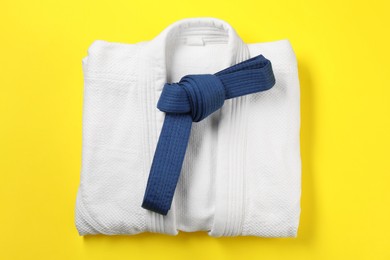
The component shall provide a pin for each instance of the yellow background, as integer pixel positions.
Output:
(343, 53)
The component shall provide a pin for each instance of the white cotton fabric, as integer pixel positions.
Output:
(242, 170)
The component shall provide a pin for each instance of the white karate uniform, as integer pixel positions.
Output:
(242, 171)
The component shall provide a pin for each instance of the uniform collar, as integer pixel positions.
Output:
(186, 30)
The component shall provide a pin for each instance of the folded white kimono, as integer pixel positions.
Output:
(242, 170)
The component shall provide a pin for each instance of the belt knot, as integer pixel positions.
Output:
(199, 95)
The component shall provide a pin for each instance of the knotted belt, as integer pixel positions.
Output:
(191, 100)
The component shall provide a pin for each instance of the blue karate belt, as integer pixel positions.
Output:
(191, 100)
